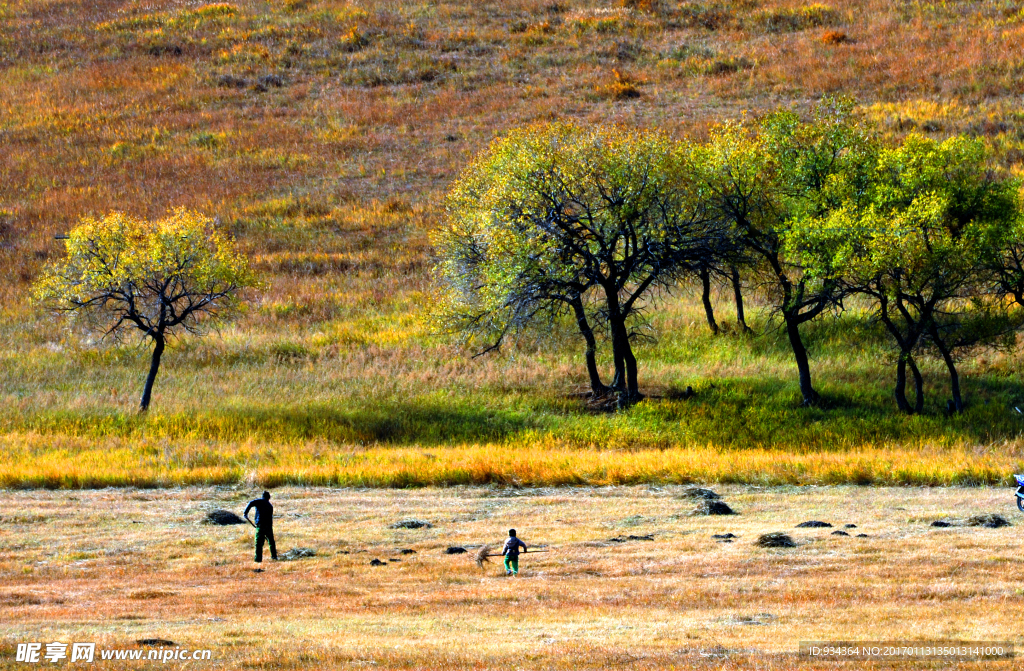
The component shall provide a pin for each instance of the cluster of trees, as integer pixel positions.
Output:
(560, 222)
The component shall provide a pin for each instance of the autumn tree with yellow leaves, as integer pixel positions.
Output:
(163, 278)
(592, 221)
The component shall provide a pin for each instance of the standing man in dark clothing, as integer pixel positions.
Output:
(511, 552)
(264, 524)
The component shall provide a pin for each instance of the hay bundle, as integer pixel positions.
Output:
(411, 524)
(989, 521)
(712, 507)
(482, 556)
(222, 518)
(776, 539)
(699, 493)
(298, 553)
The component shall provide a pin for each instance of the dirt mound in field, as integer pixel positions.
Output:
(222, 518)
(813, 524)
(989, 521)
(775, 540)
(631, 537)
(411, 524)
(156, 642)
(455, 550)
(840, 533)
(699, 493)
(297, 553)
(712, 507)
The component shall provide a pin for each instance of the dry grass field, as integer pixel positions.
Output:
(117, 565)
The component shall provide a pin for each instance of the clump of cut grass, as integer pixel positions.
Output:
(222, 518)
(988, 520)
(482, 556)
(712, 507)
(699, 493)
(776, 539)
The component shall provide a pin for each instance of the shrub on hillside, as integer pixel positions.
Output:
(621, 87)
(835, 37)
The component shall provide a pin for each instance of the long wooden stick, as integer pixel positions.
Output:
(483, 554)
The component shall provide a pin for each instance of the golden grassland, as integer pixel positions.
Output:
(322, 135)
(73, 463)
(114, 566)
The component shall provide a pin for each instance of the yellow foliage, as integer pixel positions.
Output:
(129, 272)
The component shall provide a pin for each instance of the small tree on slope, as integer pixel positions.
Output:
(124, 275)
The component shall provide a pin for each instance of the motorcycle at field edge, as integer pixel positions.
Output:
(1020, 491)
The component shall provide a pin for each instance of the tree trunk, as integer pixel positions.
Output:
(918, 385)
(619, 381)
(154, 366)
(620, 342)
(906, 359)
(625, 362)
(791, 315)
(800, 353)
(737, 290)
(901, 385)
(596, 386)
(957, 405)
(705, 297)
